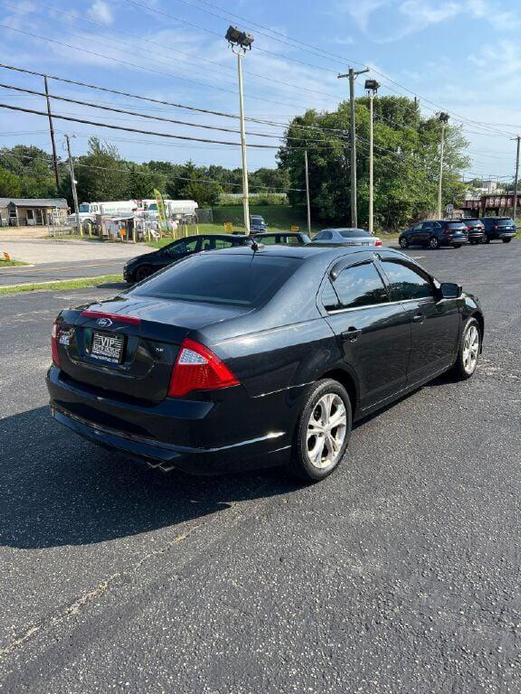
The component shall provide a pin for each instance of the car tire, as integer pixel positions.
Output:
(403, 242)
(486, 239)
(468, 351)
(506, 240)
(456, 245)
(434, 244)
(142, 272)
(319, 447)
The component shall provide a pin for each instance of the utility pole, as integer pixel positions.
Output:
(352, 75)
(308, 203)
(73, 184)
(372, 87)
(239, 42)
(516, 177)
(443, 118)
(51, 129)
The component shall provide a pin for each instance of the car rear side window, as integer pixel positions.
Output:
(406, 283)
(244, 280)
(360, 285)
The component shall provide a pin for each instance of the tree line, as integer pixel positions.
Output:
(406, 167)
(102, 174)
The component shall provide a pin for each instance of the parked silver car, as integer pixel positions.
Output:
(347, 237)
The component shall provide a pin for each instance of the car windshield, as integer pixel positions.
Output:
(353, 233)
(84, 207)
(505, 221)
(244, 280)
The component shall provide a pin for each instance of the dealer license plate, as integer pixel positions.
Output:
(107, 347)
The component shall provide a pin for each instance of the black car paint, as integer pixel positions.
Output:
(421, 233)
(276, 352)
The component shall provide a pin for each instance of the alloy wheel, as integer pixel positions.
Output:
(326, 431)
(470, 349)
(403, 242)
(434, 243)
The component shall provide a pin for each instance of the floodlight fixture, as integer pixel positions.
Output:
(372, 85)
(241, 39)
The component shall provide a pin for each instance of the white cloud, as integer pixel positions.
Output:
(101, 12)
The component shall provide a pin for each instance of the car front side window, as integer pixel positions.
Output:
(360, 285)
(406, 283)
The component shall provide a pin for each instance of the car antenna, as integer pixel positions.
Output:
(256, 246)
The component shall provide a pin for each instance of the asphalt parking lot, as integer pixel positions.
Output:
(400, 573)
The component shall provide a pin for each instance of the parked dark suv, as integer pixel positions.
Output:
(435, 233)
(503, 228)
(475, 229)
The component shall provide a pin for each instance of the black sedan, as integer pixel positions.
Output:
(141, 267)
(257, 357)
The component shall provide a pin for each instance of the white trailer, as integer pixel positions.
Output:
(89, 210)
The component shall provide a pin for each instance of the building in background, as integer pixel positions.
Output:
(20, 212)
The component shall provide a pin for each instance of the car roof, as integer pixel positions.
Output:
(339, 229)
(326, 251)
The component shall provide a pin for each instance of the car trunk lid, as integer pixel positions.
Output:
(128, 346)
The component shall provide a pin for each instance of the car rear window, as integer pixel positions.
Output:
(505, 221)
(244, 280)
(354, 233)
(455, 225)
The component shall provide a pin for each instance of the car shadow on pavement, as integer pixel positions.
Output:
(57, 489)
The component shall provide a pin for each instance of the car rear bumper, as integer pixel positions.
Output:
(174, 434)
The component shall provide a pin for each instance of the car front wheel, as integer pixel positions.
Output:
(403, 242)
(434, 243)
(323, 431)
(142, 273)
(506, 240)
(469, 350)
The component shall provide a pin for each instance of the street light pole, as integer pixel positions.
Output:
(308, 203)
(516, 177)
(239, 42)
(372, 88)
(443, 117)
(245, 188)
(73, 184)
(352, 75)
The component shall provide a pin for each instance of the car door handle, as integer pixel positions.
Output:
(351, 334)
(418, 317)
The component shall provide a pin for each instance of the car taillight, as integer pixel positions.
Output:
(378, 242)
(198, 368)
(54, 344)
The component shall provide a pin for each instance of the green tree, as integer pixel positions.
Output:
(101, 173)
(406, 162)
(33, 167)
(10, 185)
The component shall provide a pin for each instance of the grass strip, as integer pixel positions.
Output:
(59, 285)
(10, 263)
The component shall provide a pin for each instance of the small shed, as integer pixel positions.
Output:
(33, 211)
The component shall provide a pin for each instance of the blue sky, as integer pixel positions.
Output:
(463, 56)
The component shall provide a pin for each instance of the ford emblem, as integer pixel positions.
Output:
(103, 322)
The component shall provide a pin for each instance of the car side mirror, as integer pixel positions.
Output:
(450, 290)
